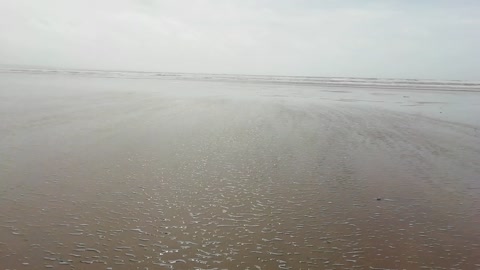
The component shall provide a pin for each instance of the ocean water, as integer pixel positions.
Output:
(129, 170)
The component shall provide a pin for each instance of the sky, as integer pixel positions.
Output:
(423, 39)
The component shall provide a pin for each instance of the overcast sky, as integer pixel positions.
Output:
(404, 39)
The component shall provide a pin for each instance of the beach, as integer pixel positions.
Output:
(114, 171)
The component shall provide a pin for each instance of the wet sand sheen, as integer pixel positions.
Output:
(129, 174)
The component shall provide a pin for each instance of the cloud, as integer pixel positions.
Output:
(431, 39)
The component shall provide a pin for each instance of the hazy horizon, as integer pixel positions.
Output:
(373, 39)
(39, 67)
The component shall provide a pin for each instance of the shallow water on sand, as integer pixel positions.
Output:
(103, 173)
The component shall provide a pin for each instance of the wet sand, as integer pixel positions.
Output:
(99, 173)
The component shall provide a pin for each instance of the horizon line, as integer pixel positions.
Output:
(24, 66)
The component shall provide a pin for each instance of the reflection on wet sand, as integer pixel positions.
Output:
(205, 175)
